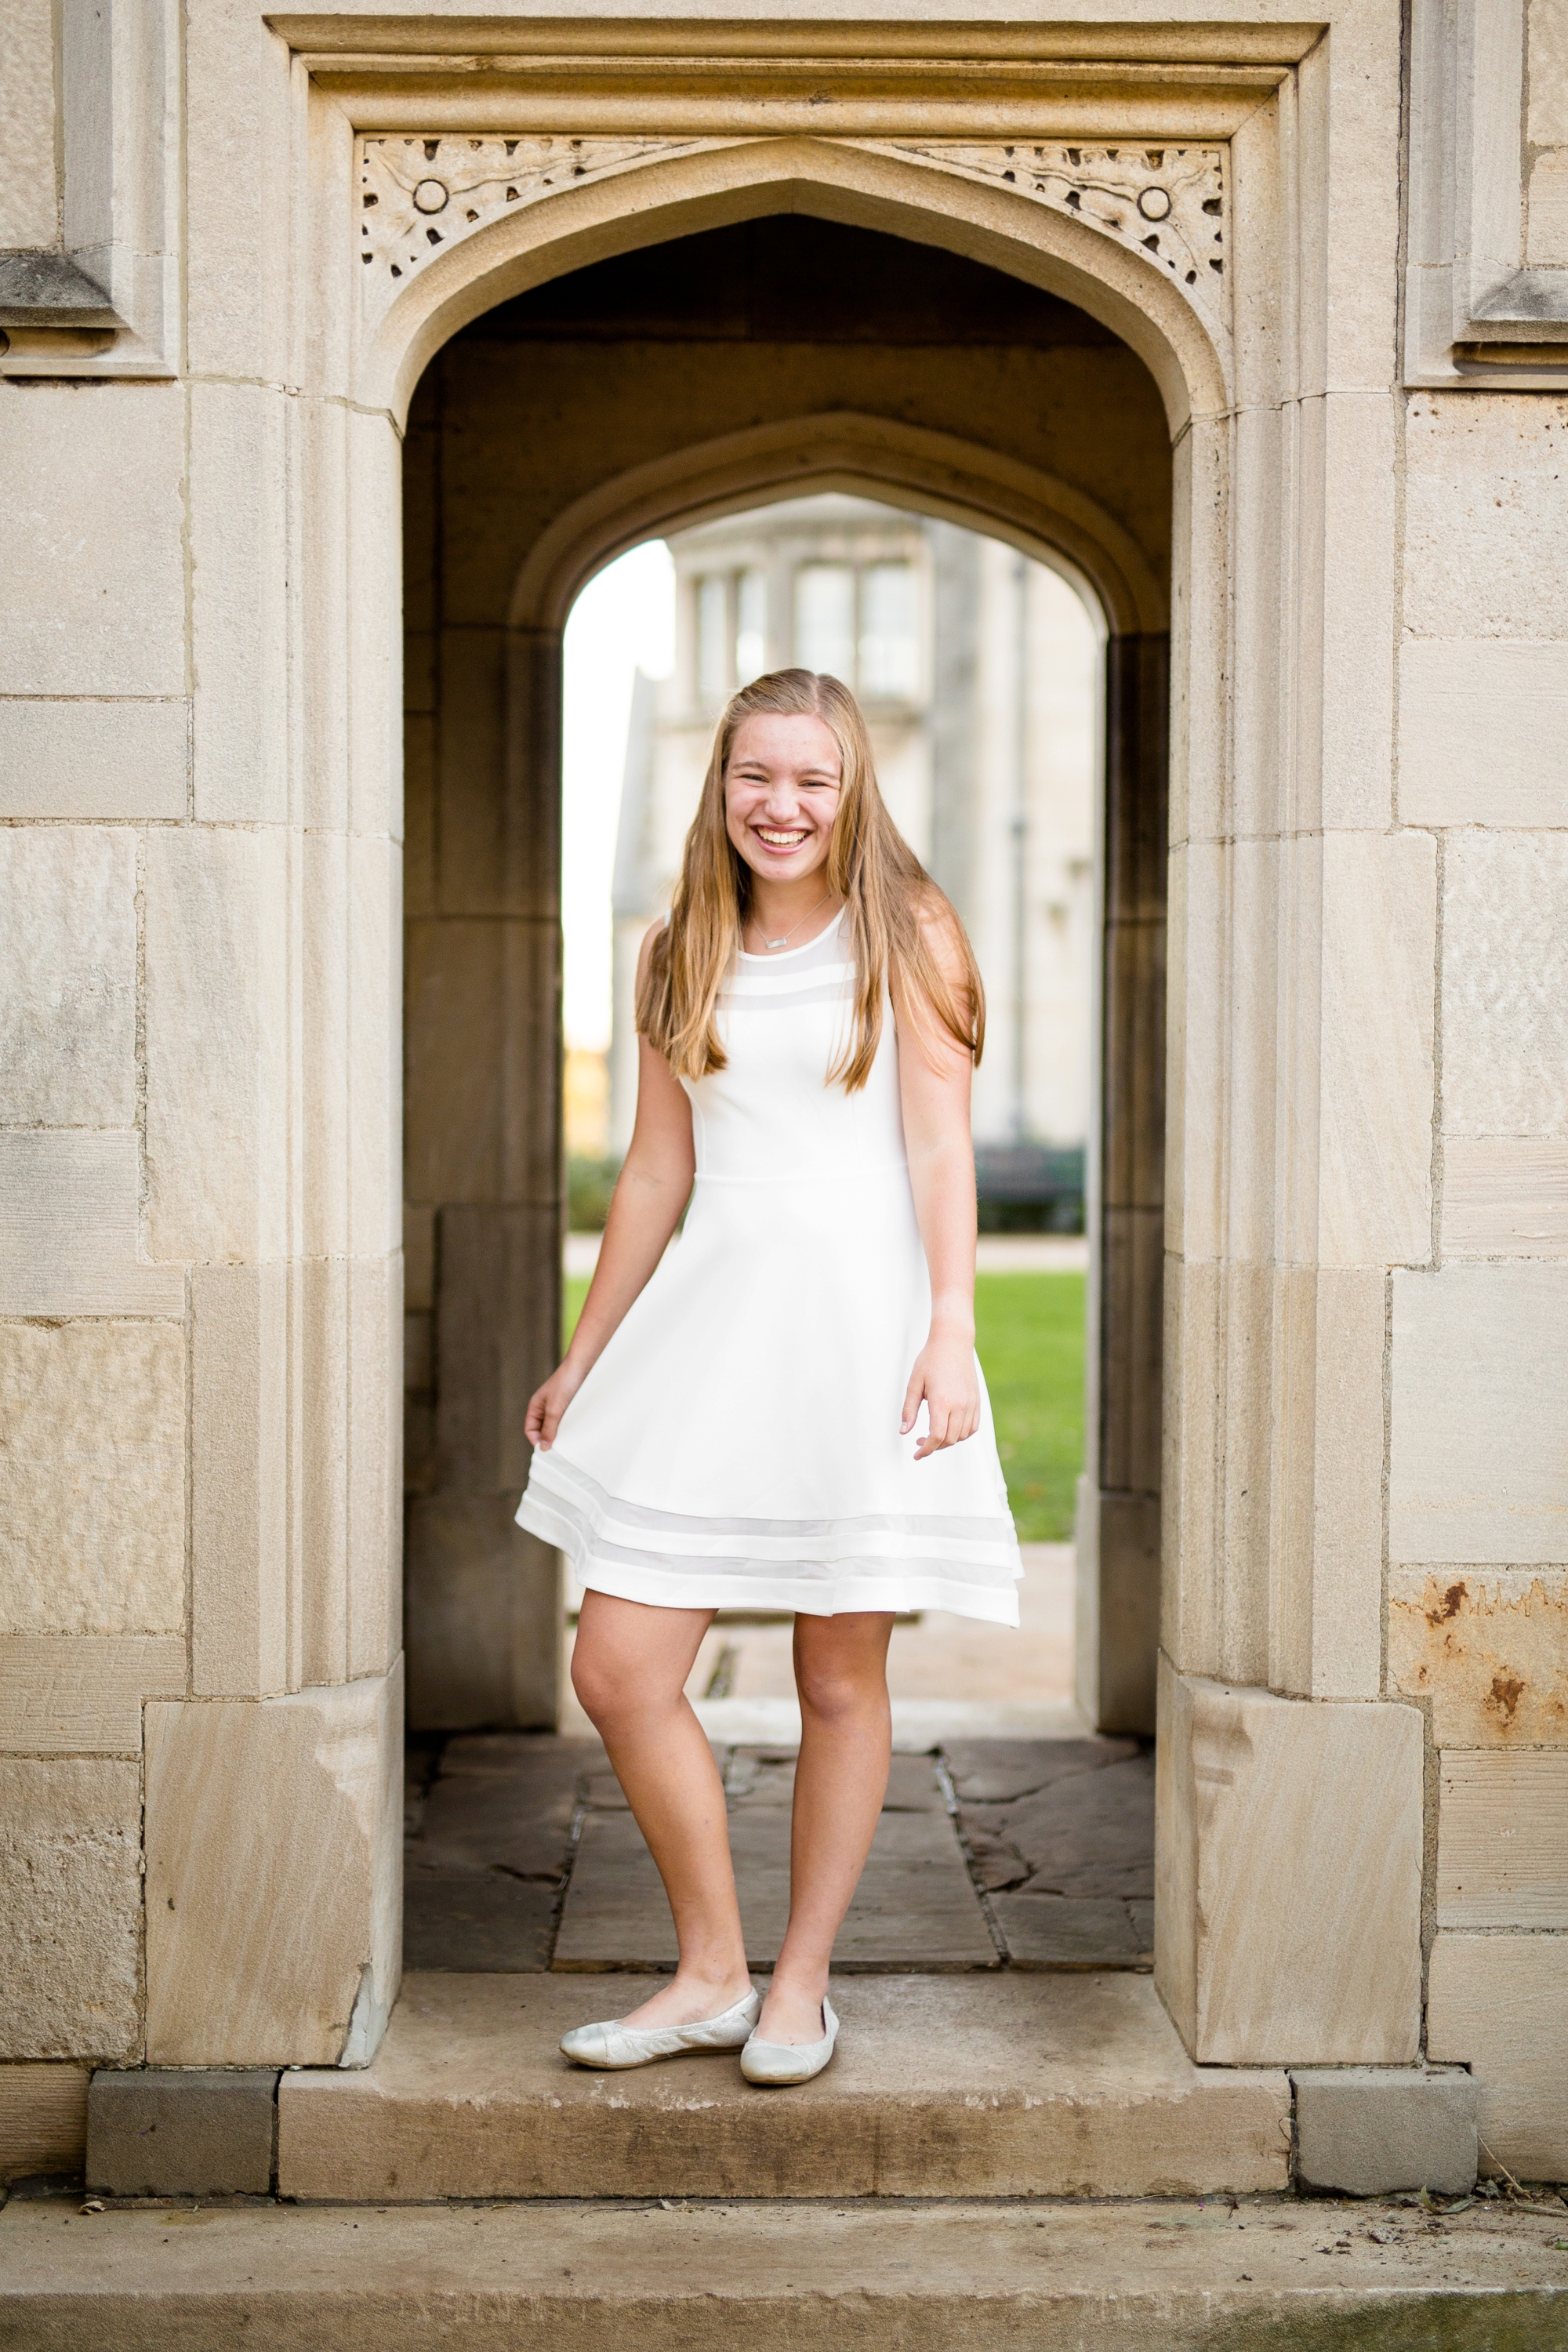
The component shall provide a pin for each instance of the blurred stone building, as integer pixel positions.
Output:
(979, 672)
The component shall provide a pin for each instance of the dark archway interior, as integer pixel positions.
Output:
(790, 279)
(533, 406)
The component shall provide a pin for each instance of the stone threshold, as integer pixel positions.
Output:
(1001, 2085)
(1250, 2275)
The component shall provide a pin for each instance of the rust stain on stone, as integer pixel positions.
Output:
(1453, 1600)
(1486, 1645)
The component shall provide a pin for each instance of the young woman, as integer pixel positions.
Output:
(786, 1412)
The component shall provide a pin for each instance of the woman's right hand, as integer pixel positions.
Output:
(653, 1188)
(547, 1404)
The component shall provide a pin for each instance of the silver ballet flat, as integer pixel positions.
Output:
(613, 2043)
(789, 2062)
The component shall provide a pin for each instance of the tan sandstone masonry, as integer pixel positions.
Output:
(1365, 1123)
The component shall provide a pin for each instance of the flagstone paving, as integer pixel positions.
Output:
(523, 1856)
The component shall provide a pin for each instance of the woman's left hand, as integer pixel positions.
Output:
(944, 1381)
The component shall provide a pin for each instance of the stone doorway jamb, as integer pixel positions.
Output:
(1280, 1218)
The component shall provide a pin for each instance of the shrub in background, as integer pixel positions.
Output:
(589, 1184)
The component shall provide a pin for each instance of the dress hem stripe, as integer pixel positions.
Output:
(907, 1585)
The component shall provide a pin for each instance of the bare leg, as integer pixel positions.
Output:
(840, 1781)
(629, 1669)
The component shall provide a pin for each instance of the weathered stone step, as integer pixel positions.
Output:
(781, 2278)
(1006, 2086)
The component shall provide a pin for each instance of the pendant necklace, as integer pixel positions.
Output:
(783, 942)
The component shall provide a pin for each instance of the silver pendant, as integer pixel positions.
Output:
(776, 943)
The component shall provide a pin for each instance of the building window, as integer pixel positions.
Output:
(860, 625)
(713, 646)
(825, 619)
(732, 610)
(889, 648)
(750, 626)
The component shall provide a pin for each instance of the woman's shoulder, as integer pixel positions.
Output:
(650, 939)
(942, 933)
(937, 988)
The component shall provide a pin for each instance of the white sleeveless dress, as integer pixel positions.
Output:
(737, 1445)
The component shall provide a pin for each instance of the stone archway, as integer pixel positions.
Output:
(1281, 1221)
(940, 473)
(482, 1262)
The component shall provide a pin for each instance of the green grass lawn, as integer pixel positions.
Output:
(1029, 1334)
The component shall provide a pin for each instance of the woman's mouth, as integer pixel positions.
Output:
(783, 842)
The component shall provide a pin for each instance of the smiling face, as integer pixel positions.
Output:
(781, 795)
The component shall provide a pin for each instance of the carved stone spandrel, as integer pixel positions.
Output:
(419, 194)
(1166, 202)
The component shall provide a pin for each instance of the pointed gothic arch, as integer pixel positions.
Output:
(497, 1281)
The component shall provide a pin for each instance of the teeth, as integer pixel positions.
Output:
(781, 840)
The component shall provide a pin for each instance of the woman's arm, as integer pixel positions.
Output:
(934, 1074)
(653, 1188)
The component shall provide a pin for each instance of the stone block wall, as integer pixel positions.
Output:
(94, 1345)
(1477, 1464)
(198, 1275)
(1365, 1178)
(1367, 1472)
(200, 1265)
(1437, 1325)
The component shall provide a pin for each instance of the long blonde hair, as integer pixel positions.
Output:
(890, 902)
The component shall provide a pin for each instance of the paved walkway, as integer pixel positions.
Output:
(1011, 1836)
(990, 1854)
